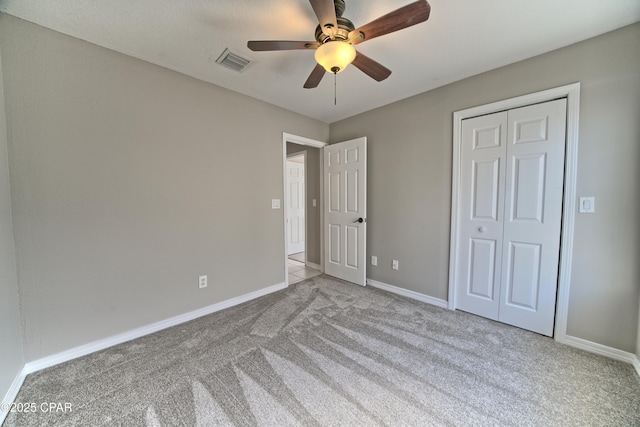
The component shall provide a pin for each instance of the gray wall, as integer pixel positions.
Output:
(313, 192)
(409, 185)
(128, 181)
(11, 354)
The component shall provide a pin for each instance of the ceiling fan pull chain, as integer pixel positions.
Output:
(335, 90)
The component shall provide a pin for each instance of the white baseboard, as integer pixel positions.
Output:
(12, 393)
(603, 350)
(407, 293)
(98, 345)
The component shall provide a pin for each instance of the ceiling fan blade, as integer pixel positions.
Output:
(263, 45)
(325, 10)
(371, 68)
(404, 17)
(314, 79)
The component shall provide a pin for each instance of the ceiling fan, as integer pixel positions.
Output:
(336, 35)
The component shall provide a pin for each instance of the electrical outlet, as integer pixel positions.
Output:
(202, 282)
(394, 265)
(374, 260)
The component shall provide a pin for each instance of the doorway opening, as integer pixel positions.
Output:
(296, 202)
(302, 172)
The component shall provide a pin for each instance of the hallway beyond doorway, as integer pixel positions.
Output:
(297, 270)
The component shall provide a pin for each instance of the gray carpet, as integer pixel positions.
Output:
(327, 353)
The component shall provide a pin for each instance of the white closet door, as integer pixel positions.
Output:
(533, 215)
(512, 176)
(482, 207)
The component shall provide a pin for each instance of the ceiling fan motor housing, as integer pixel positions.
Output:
(340, 7)
(345, 26)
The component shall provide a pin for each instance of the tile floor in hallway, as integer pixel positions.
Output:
(298, 271)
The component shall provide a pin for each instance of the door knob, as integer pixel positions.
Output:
(481, 229)
(360, 220)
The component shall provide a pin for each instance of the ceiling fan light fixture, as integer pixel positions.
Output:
(335, 55)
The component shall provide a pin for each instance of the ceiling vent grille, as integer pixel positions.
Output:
(233, 61)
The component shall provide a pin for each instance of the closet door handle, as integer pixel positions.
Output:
(360, 220)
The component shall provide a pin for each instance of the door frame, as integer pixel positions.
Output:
(572, 93)
(300, 140)
(302, 154)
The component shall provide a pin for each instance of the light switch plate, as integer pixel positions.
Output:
(275, 203)
(587, 205)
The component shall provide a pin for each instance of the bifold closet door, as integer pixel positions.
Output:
(481, 214)
(512, 185)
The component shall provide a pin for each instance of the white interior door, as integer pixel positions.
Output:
(533, 215)
(510, 215)
(482, 208)
(345, 219)
(296, 207)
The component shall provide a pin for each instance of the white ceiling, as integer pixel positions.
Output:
(460, 39)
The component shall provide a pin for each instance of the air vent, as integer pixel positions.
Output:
(233, 61)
